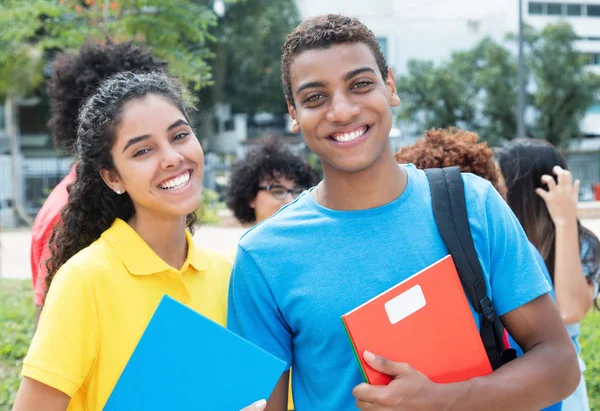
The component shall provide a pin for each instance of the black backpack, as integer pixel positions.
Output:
(450, 211)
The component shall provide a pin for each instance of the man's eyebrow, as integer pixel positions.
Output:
(356, 72)
(178, 123)
(134, 140)
(310, 85)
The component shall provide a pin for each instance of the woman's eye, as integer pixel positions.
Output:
(141, 152)
(181, 135)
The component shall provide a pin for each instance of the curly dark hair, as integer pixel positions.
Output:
(270, 160)
(323, 32)
(453, 147)
(76, 75)
(93, 206)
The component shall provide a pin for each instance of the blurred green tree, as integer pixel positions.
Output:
(563, 88)
(32, 30)
(474, 89)
(246, 67)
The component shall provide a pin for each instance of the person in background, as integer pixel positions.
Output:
(447, 147)
(74, 77)
(267, 178)
(543, 196)
(453, 147)
(125, 240)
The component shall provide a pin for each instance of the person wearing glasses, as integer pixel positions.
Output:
(267, 178)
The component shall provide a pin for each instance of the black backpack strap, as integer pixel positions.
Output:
(450, 211)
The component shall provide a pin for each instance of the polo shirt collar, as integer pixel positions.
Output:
(137, 255)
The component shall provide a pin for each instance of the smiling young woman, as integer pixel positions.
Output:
(124, 241)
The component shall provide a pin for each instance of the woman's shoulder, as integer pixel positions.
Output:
(93, 259)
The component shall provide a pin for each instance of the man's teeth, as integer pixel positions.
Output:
(349, 136)
(176, 182)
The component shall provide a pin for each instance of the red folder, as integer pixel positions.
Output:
(426, 322)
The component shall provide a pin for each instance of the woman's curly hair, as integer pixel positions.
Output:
(269, 161)
(75, 76)
(93, 206)
(453, 147)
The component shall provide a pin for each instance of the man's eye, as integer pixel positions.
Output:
(362, 84)
(313, 98)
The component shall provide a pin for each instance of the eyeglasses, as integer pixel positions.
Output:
(280, 192)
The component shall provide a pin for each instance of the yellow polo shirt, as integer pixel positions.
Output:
(100, 303)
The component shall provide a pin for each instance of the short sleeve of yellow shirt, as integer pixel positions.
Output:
(100, 303)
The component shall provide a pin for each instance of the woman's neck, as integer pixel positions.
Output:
(165, 236)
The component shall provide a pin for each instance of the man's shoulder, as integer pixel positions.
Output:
(281, 223)
(477, 190)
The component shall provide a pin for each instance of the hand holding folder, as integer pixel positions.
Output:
(424, 321)
(184, 361)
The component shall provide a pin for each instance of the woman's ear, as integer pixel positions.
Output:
(112, 180)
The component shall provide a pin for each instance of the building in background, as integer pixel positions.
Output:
(433, 29)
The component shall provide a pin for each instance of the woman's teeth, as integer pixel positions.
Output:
(176, 182)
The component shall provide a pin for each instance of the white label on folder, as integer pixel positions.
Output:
(405, 304)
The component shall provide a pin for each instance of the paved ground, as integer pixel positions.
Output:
(14, 245)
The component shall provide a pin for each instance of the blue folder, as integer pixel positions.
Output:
(184, 361)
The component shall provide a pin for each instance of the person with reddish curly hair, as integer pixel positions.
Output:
(446, 147)
(74, 77)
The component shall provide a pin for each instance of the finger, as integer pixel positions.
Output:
(259, 405)
(386, 366)
(576, 185)
(366, 406)
(373, 394)
(542, 193)
(564, 176)
(549, 181)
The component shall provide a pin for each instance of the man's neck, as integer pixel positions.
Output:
(381, 183)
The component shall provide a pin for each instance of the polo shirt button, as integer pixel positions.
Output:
(186, 300)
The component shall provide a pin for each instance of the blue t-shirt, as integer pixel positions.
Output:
(298, 272)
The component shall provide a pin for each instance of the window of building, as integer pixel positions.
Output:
(554, 9)
(574, 10)
(593, 10)
(593, 59)
(536, 8)
(382, 41)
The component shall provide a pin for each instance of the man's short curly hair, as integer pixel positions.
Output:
(453, 147)
(269, 161)
(323, 32)
(76, 75)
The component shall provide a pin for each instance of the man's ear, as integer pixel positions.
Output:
(390, 83)
(295, 124)
(112, 180)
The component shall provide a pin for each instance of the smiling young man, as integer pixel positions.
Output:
(366, 227)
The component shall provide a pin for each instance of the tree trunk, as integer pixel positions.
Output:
(11, 116)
